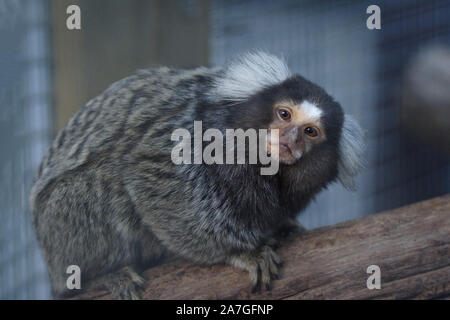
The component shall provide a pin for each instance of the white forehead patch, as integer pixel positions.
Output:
(249, 74)
(310, 110)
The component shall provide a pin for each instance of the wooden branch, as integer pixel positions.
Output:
(411, 245)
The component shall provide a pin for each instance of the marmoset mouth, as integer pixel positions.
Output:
(285, 153)
(284, 148)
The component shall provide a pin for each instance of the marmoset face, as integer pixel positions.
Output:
(300, 128)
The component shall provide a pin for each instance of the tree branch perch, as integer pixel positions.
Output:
(411, 245)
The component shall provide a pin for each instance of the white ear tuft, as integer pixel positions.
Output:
(351, 152)
(249, 74)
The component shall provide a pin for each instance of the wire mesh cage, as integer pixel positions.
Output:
(25, 117)
(325, 41)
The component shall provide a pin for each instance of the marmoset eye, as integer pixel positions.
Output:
(284, 114)
(311, 131)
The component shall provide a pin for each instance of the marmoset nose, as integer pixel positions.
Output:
(290, 136)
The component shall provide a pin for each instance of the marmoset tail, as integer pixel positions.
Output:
(109, 198)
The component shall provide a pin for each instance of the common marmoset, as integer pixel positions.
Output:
(109, 199)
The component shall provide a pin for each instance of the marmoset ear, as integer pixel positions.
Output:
(248, 74)
(351, 151)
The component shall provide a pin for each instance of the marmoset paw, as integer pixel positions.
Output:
(126, 284)
(263, 267)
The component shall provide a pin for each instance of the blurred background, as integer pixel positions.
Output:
(395, 81)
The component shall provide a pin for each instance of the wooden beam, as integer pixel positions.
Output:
(117, 38)
(411, 245)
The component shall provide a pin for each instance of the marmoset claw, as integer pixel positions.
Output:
(263, 267)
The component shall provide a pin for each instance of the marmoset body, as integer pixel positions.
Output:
(109, 199)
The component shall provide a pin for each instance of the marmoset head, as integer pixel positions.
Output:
(305, 116)
(261, 93)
